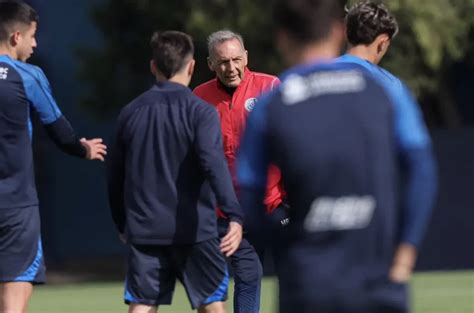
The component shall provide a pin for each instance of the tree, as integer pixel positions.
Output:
(434, 35)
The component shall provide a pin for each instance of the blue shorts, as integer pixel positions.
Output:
(21, 253)
(153, 270)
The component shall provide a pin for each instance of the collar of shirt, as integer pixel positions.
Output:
(170, 86)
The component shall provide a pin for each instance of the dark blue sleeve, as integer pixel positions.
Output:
(252, 165)
(415, 149)
(209, 148)
(116, 177)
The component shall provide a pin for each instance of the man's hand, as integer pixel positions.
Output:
(96, 150)
(280, 216)
(231, 241)
(403, 263)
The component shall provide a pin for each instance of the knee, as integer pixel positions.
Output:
(251, 274)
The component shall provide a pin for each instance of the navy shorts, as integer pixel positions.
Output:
(21, 253)
(309, 285)
(153, 270)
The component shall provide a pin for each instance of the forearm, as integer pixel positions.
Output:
(115, 188)
(117, 207)
(63, 135)
(420, 194)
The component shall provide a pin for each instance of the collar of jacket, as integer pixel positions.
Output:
(168, 85)
(244, 81)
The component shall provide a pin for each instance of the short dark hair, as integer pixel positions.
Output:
(307, 20)
(171, 50)
(14, 12)
(367, 20)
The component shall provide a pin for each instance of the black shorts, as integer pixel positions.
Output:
(310, 282)
(21, 253)
(153, 270)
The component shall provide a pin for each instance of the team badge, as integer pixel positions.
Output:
(3, 73)
(250, 103)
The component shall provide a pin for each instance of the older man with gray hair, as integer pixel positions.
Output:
(234, 92)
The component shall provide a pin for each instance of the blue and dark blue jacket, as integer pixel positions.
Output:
(419, 179)
(24, 89)
(338, 136)
(167, 170)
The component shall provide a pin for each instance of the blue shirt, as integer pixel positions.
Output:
(23, 88)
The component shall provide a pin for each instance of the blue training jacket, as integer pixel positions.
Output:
(338, 137)
(167, 167)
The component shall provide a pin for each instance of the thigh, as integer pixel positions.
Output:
(203, 272)
(246, 264)
(21, 253)
(150, 277)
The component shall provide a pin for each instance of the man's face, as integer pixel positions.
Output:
(229, 60)
(26, 42)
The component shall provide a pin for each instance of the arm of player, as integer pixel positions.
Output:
(57, 126)
(208, 145)
(116, 179)
(421, 183)
(252, 167)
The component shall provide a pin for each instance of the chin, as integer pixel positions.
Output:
(233, 84)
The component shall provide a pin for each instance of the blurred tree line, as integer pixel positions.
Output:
(435, 36)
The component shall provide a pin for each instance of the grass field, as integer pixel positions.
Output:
(439, 292)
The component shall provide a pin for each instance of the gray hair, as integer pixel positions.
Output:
(221, 36)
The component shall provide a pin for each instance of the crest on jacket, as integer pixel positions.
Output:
(250, 103)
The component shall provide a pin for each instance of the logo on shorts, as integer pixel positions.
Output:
(3, 73)
(250, 103)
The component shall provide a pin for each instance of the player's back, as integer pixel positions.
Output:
(17, 188)
(331, 132)
(167, 197)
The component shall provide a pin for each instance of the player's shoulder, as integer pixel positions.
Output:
(200, 106)
(130, 108)
(311, 80)
(29, 71)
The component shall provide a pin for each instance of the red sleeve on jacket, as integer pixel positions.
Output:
(274, 194)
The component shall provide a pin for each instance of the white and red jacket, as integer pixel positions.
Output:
(233, 111)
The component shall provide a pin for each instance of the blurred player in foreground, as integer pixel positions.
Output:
(234, 93)
(370, 28)
(166, 168)
(24, 88)
(338, 138)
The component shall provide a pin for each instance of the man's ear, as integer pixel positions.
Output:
(210, 64)
(191, 66)
(246, 57)
(153, 67)
(15, 38)
(382, 43)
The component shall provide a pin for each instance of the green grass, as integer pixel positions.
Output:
(438, 292)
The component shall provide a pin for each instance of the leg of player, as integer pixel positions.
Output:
(248, 277)
(14, 296)
(215, 307)
(141, 308)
